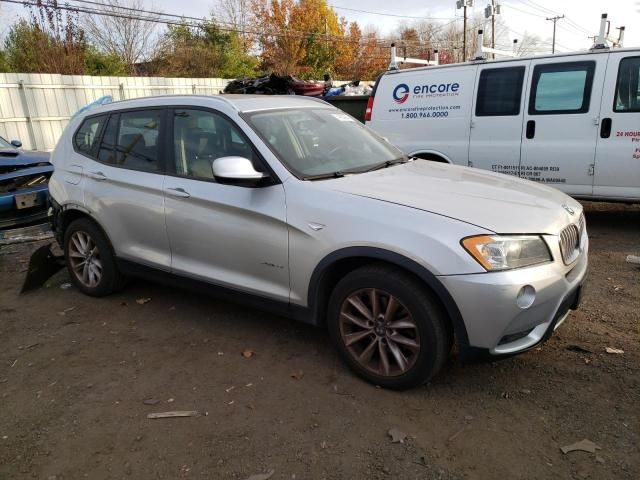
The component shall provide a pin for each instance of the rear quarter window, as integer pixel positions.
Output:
(86, 138)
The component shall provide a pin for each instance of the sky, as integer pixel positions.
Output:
(582, 17)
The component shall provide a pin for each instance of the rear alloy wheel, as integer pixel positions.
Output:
(388, 327)
(90, 260)
(84, 258)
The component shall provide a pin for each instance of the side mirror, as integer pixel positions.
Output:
(236, 171)
(16, 143)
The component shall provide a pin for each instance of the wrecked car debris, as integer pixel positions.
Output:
(43, 264)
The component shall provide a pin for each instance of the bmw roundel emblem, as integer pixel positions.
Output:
(401, 93)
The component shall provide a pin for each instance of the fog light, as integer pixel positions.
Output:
(526, 296)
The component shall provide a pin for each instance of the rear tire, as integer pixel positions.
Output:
(90, 259)
(388, 327)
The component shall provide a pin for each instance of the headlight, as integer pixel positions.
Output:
(504, 252)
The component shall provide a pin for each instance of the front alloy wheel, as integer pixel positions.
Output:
(379, 332)
(388, 326)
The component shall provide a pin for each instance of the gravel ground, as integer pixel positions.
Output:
(78, 377)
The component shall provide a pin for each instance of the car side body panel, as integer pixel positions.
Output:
(315, 232)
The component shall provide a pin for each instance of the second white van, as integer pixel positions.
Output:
(571, 120)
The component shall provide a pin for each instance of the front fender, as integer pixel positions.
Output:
(316, 292)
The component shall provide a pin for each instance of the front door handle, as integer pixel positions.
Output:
(605, 128)
(178, 192)
(531, 129)
(99, 176)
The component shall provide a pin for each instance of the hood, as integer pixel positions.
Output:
(499, 203)
(11, 158)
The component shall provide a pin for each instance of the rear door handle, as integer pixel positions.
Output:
(531, 129)
(605, 128)
(178, 192)
(99, 176)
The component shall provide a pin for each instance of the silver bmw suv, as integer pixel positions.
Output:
(293, 206)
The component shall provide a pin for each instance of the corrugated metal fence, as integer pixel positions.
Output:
(35, 108)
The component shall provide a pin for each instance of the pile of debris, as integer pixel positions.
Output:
(287, 85)
(276, 85)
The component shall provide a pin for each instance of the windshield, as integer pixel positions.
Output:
(4, 143)
(321, 141)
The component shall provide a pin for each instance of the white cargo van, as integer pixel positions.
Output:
(571, 120)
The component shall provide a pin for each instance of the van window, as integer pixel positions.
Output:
(627, 86)
(137, 141)
(499, 92)
(86, 138)
(561, 88)
(201, 136)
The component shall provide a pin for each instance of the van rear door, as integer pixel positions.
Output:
(617, 169)
(560, 124)
(496, 121)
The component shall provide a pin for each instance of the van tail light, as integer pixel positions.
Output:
(367, 112)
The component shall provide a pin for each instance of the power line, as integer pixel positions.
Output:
(545, 12)
(159, 17)
(538, 7)
(195, 22)
(383, 14)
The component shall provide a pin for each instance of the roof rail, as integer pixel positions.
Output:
(393, 63)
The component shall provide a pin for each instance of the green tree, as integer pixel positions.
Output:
(48, 42)
(101, 63)
(203, 51)
(4, 64)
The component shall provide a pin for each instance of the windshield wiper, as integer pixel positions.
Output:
(385, 164)
(321, 176)
(338, 174)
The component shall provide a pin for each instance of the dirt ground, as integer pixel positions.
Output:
(75, 373)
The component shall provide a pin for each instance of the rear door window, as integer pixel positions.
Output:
(561, 88)
(138, 140)
(627, 97)
(499, 92)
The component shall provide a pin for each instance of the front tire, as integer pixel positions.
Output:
(388, 327)
(90, 260)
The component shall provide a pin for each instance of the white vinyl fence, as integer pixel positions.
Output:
(34, 108)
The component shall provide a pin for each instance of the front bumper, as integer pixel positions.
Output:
(496, 325)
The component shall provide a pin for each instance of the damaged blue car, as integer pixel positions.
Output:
(24, 179)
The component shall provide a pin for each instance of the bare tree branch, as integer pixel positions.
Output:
(132, 39)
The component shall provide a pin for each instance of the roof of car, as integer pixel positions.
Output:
(247, 103)
(241, 103)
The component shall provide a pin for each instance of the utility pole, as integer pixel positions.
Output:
(493, 26)
(554, 20)
(491, 11)
(464, 4)
(464, 35)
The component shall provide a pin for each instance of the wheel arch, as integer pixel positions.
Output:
(432, 156)
(337, 264)
(68, 214)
